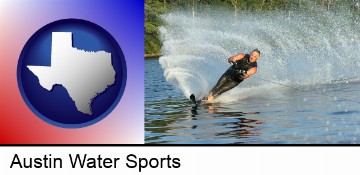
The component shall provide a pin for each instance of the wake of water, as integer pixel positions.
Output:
(300, 49)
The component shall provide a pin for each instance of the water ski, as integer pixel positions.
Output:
(198, 102)
(192, 98)
(194, 108)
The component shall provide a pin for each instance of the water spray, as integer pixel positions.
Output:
(309, 48)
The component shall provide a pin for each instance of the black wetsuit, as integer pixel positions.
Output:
(232, 77)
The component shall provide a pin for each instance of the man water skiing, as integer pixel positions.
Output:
(243, 66)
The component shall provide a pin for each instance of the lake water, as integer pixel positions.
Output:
(323, 114)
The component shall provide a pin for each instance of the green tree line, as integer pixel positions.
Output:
(154, 9)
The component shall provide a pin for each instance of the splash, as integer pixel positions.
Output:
(297, 49)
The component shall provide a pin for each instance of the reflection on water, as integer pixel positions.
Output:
(200, 124)
(240, 127)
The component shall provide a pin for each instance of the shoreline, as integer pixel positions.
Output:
(152, 55)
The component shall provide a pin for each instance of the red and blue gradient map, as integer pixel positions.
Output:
(123, 20)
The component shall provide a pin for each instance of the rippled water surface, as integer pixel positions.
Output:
(317, 114)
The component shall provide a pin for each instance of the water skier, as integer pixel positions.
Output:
(243, 66)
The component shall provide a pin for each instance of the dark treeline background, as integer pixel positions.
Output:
(154, 9)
